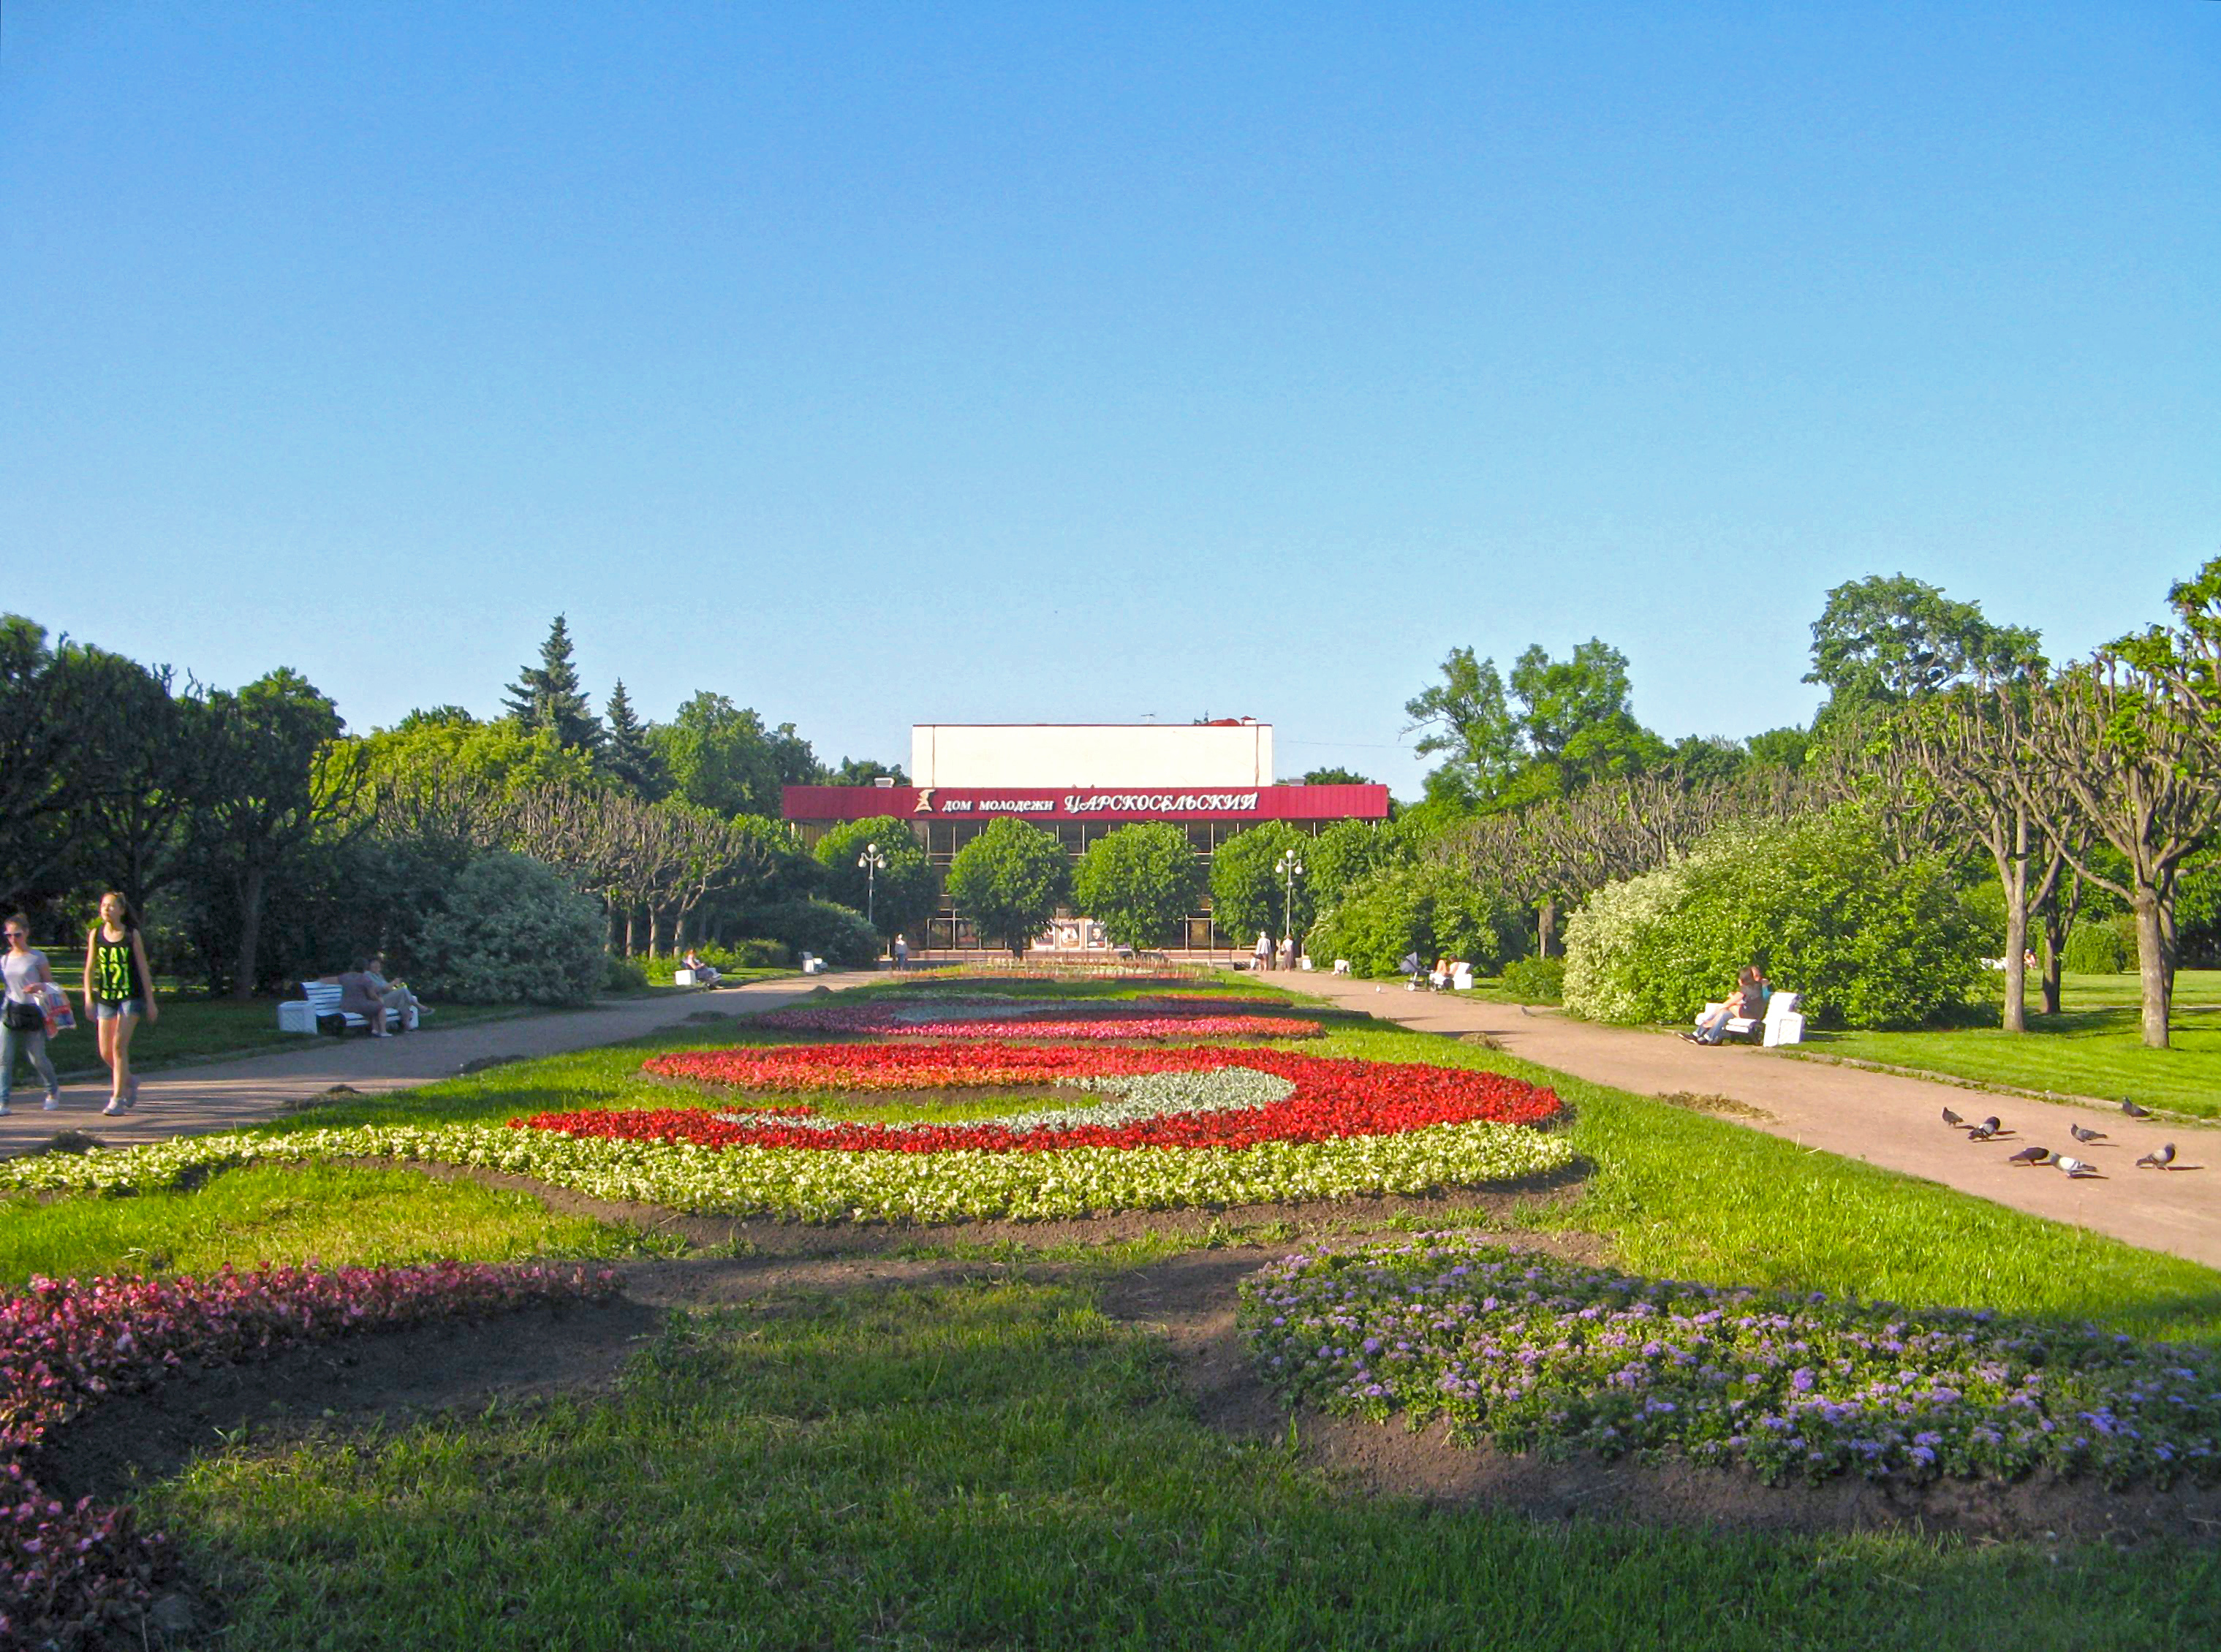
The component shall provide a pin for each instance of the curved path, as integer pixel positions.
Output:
(1880, 1117)
(224, 1095)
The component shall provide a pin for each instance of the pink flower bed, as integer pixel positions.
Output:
(65, 1569)
(1161, 1019)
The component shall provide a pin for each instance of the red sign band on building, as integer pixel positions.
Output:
(1304, 802)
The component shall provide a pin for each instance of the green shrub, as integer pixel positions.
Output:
(741, 954)
(1139, 882)
(1433, 910)
(514, 932)
(1816, 902)
(1535, 981)
(624, 975)
(2094, 947)
(835, 933)
(1249, 895)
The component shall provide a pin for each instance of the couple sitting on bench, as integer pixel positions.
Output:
(1747, 1003)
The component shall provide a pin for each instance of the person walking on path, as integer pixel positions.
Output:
(901, 953)
(23, 1017)
(1263, 950)
(118, 991)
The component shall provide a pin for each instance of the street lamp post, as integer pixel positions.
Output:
(871, 862)
(1290, 869)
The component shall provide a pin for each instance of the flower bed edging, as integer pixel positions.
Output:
(817, 1186)
(1519, 1350)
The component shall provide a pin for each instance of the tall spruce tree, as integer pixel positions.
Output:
(548, 695)
(625, 751)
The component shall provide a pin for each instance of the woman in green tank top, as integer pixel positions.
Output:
(118, 990)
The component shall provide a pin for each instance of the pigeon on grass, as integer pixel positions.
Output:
(2081, 1134)
(2160, 1161)
(2032, 1156)
(2133, 1110)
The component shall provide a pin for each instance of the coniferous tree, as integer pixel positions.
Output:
(625, 751)
(548, 695)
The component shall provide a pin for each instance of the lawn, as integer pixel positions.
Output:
(998, 1463)
(196, 1028)
(2092, 1047)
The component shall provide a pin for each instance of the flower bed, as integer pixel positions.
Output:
(1177, 1128)
(956, 1018)
(1519, 1349)
(65, 1569)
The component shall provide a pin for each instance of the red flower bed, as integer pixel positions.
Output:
(1161, 1020)
(1333, 1098)
(67, 1570)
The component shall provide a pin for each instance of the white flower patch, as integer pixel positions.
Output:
(1136, 1099)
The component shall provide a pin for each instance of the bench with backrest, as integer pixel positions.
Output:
(1781, 1024)
(320, 998)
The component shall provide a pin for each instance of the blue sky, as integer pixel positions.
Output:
(874, 365)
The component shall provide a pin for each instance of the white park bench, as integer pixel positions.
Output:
(323, 998)
(1782, 1023)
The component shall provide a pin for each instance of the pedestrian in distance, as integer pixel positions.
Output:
(1263, 950)
(1288, 952)
(23, 1018)
(119, 992)
(901, 953)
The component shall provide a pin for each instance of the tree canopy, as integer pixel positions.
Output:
(547, 695)
(901, 895)
(1883, 641)
(1139, 882)
(1010, 880)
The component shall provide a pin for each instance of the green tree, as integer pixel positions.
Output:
(1139, 882)
(1335, 777)
(1250, 893)
(1010, 880)
(1346, 852)
(41, 773)
(720, 757)
(1432, 910)
(277, 779)
(547, 695)
(626, 752)
(1563, 725)
(864, 771)
(145, 765)
(1782, 748)
(1881, 642)
(901, 895)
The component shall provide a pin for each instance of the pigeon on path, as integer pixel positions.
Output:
(2133, 1110)
(1952, 1118)
(2159, 1161)
(1983, 1131)
(2082, 1135)
(2076, 1166)
(2032, 1156)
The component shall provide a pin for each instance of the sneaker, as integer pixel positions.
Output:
(53, 1102)
(3, 1110)
(116, 1108)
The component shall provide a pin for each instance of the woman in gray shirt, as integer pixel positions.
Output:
(23, 1021)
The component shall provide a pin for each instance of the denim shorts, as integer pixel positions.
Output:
(103, 1010)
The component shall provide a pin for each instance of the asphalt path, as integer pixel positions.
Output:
(1880, 1117)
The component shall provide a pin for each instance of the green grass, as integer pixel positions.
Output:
(193, 1028)
(2094, 1047)
(998, 1466)
(336, 1214)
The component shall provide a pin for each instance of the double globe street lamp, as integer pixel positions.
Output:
(1290, 869)
(871, 863)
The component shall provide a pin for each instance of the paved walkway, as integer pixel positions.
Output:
(1880, 1117)
(222, 1095)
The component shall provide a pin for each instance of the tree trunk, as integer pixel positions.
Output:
(250, 934)
(631, 916)
(2013, 872)
(2152, 965)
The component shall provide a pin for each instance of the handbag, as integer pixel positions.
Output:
(23, 1017)
(60, 1018)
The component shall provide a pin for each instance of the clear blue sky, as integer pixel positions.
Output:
(874, 365)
